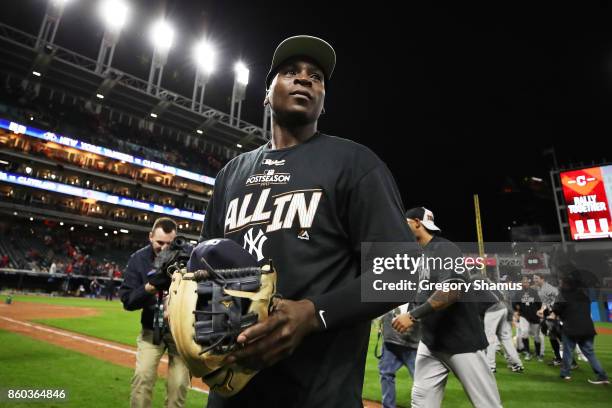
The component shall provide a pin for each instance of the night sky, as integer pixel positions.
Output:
(456, 101)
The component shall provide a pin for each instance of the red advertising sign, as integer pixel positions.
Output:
(587, 195)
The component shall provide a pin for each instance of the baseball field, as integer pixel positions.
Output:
(86, 347)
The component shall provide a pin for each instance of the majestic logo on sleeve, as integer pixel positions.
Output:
(287, 209)
(303, 235)
(272, 162)
(268, 177)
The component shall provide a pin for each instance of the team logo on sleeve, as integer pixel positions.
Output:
(424, 275)
(268, 177)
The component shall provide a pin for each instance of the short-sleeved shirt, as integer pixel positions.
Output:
(458, 328)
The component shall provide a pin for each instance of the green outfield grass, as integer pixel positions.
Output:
(539, 386)
(113, 323)
(89, 382)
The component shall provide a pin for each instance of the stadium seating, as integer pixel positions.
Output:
(77, 121)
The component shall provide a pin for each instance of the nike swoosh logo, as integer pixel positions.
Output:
(322, 318)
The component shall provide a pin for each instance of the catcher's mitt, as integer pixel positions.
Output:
(221, 293)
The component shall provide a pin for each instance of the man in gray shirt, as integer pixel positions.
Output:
(397, 350)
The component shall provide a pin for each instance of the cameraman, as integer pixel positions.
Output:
(142, 281)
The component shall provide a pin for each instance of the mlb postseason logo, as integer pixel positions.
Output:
(268, 177)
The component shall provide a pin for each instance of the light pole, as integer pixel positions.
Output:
(205, 58)
(241, 80)
(114, 14)
(162, 36)
(48, 29)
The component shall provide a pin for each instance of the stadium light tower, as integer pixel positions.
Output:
(205, 58)
(241, 80)
(114, 13)
(162, 36)
(48, 29)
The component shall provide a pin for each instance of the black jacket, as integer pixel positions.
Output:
(132, 291)
(574, 309)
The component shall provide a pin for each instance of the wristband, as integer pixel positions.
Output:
(421, 311)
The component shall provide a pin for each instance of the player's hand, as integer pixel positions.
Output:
(159, 279)
(275, 338)
(540, 314)
(402, 323)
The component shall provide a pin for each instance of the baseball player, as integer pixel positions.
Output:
(499, 331)
(527, 303)
(453, 334)
(548, 294)
(307, 201)
(137, 292)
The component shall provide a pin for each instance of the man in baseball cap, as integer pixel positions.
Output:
(421, 215)
(311, 350)
(313, 48)
(453, 337)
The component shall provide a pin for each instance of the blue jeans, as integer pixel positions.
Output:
(586, 346)
(392, 359)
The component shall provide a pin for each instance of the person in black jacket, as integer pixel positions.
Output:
(573, 308)
(138, 293)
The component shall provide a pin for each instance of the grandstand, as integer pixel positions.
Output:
(90, 156)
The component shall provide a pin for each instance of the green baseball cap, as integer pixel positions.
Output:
(304, 45)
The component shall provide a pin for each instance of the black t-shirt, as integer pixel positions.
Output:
(529, 303)
(308, 208)
(458, 328)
